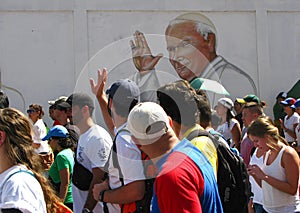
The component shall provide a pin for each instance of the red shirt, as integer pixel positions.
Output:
(180, 185)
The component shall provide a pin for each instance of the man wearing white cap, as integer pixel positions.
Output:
(191, 42)
(185, 180)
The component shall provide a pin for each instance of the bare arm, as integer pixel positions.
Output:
(289, 131)
(98, 175)
(290, 161)
(128, 193)
(98, 90)
(236, 135)
(64, 183)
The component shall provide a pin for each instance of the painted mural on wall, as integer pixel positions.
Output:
(187, 50)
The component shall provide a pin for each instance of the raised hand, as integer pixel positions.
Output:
(98, 89)
(142, 57)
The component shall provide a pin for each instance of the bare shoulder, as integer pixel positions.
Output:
(290, 156)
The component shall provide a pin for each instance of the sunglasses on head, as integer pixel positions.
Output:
(30, 111)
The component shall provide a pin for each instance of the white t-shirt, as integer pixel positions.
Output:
(289, 124)
(297, 130)
(39, 131)
(92, 151)
(226, 131)
(255, 188)
(129, 158)
(21, 191)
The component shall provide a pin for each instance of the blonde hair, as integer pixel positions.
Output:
(263, 127)
(18, 145)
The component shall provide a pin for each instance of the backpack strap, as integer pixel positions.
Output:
(4, 182)
(115, 155)
(199, 132)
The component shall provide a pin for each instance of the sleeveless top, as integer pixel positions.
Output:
(274, 199)
(255, 188)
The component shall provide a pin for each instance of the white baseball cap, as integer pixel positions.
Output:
(148, 121)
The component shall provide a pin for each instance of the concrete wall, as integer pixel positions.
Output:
(51, 48)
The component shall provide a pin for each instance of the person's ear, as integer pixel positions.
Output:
(170, 121)
(2, 137)
(211, 39)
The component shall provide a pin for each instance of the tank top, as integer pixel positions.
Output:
(272, 197)
(255, 188)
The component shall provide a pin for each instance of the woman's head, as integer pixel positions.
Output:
(225, 109)
(263, 133)
(35, 112)
(59, 138)
(18, 139)
(287, 103)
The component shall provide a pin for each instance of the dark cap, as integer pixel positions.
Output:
(62, 102)
(61, 98)
(282, 95)
(124, 91)
(81, 100)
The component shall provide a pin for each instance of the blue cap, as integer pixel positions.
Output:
(296, 104)
(288, 101)
(57, 131)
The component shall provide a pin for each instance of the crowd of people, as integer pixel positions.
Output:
(143, 160)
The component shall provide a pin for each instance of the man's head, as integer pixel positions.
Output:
(82, 106)
(191, 43)
(147, 122)
(124, 95)
(53, 106)
(178, 99)
(204, 109)
(61, 110)
(250, 112)
(4, 102)
(248, 98)
(281, 97)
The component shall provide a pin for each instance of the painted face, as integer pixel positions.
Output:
(248, 117)
(260, 143)
(188, 51)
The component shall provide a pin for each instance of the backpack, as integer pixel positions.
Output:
(81, 177)
(141, 206)
(232, 176)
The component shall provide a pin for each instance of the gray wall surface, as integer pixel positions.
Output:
(51, 48)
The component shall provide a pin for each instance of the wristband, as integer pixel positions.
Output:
(101, 195)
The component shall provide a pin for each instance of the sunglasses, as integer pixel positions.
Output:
(29, 111)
